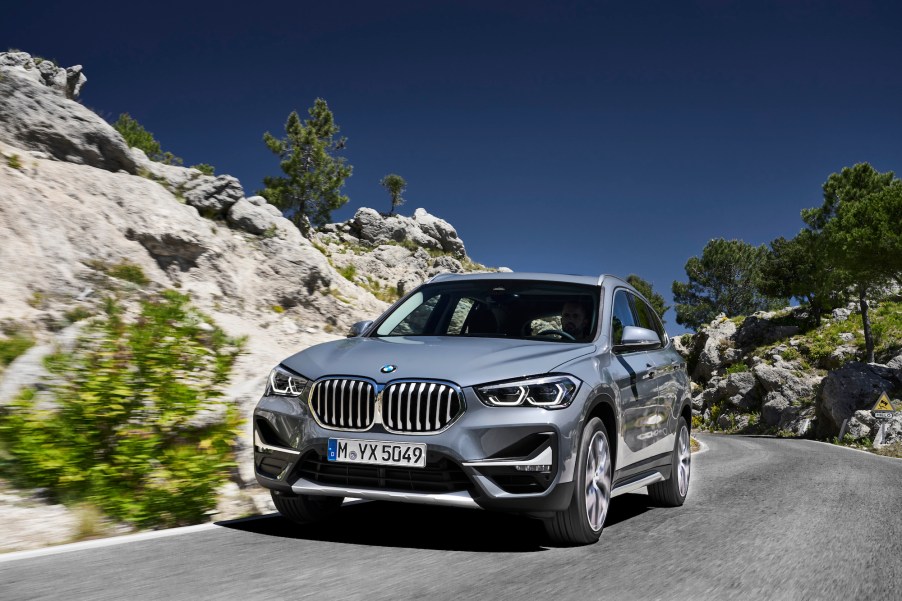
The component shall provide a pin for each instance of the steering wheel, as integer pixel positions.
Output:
(560, 333)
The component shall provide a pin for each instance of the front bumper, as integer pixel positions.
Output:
(517, 459)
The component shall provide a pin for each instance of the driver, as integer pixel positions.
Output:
(575, 320)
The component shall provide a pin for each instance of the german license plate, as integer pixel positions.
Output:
(376, 452)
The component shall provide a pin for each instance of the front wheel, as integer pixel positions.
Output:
(581, 523)
(305, 509)
(672, 492)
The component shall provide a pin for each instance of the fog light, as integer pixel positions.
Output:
(533, 468)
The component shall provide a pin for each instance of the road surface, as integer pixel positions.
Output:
(765, 519)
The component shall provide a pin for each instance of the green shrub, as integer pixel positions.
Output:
(205, 168)
(12, 347)
(129, 272)
(125, 435)
(124, 270)
(77, 314)
(737, 368)
(14, 161)
(348, 272)
(137, 137)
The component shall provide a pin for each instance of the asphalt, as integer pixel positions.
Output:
(765, 519)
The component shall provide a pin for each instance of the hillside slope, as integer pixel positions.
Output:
(83, 217)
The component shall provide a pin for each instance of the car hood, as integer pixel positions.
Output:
(464, 361)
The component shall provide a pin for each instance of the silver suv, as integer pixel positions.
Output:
(539, 394)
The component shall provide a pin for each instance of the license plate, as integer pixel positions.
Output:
(376, 452)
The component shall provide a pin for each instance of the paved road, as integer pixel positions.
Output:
(765, 519)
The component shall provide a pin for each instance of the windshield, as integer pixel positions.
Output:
(554, 311)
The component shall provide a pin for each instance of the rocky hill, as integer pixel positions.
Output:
(779, 373)
(83, 215)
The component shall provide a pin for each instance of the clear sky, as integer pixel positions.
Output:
(581, 137)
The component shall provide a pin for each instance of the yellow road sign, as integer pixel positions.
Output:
(883, 404)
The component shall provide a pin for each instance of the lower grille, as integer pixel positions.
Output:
(440, 476)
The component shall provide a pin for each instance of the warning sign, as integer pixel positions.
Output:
(883, 409)
(883, 404)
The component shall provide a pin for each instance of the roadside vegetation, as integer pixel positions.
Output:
(130, 421)
(849, 249)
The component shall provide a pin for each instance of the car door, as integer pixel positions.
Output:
(634, 373)
(658, 430)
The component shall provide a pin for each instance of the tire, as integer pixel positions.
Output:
(306, 509)
(581, 523)
(672, 492)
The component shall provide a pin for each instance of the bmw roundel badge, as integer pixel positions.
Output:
(387, 369)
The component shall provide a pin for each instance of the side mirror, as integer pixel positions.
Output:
(636, 338)
(359, 328)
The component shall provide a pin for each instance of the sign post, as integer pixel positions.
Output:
(884, 411)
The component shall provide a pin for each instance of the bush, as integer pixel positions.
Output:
(126, 434)
(137, 137)
(14, 161)
(12, 347)
(204, 168)
(124, 270)
(348, 272)
(129, 272)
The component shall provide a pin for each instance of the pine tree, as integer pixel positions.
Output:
(314, 174)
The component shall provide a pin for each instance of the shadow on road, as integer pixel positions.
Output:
(419, 527)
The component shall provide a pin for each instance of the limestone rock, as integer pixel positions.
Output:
(66, 82)
(35, 117)
(855, 386)
(440, 230)
(213, 196)
(775, 404)
(712, 340)
(760, 329)
(251, 218)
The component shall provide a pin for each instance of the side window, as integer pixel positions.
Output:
(459, 316)
(647, 317)
(622, 315)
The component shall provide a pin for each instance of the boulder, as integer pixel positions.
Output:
(760, 329)
(860, 426)
(791, 384)
(251, 218)
(214, 196)
(440, 230)
(37, 118)
(840, 356)
(840, 314)
(710, 342)
(855, 386)
(775, 404)
(445, 264)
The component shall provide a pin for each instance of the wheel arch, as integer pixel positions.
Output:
(602, 406)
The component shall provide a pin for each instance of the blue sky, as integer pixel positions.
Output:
(581, 137)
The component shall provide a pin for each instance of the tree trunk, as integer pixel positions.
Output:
(866, 324)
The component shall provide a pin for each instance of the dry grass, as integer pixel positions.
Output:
(890, 450)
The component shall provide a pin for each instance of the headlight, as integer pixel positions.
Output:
(284, 383)
(550, 392)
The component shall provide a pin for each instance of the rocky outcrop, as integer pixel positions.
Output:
(853, 387)
(424, 230)
(759, 368)
(213, 196)
(67, 82)
(711, 348)
(38, 117)
(405, 251)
